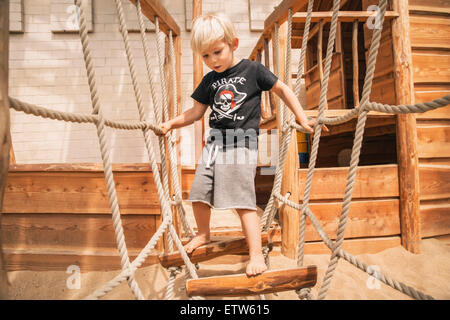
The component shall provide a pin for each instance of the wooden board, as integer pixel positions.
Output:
(431, 66)
(74, 231)
(59, 259)
(241, 285)
(152, 8)
(434, 218)
(370, 182)
(429, 31)
(336, 87)
(71, 191)
(368, 218)
(432, 6)
(433, 141)
(434, 182)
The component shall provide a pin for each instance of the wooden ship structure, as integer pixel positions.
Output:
(55, 215)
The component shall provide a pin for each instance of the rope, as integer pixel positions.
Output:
(376, 36)
(350, 258)
(105, 152)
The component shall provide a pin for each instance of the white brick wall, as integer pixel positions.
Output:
(47, 69)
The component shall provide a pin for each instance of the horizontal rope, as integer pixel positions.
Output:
(420, 107)
(47, 113)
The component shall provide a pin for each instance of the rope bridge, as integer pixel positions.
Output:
(301, 278)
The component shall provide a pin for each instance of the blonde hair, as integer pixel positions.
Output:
(210, 28)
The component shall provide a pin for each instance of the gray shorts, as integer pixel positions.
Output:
(225, 179)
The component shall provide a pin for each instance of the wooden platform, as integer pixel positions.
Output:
(242, 285)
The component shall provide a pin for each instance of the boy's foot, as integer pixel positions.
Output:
(256, 266)
(196, 242)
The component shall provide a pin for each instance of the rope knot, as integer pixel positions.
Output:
(304, 294)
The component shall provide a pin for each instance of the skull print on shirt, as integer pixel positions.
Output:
(226, 101)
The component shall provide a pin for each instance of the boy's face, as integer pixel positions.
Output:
(219, 55)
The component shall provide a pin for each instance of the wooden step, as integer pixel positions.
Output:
(218, 246)
(242, 285)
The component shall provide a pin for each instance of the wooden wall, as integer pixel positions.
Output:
(430, 46)
(336, 85)
(373, 223)
(58, 215)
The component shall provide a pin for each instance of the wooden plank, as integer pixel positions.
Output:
(436, 6)
(433, 141)
(431, 66)
(217, 247)
(241, 285)
(61, 192)
(367, 218)
(428, 31)
(336, 89)
(5, 137)
(58, 259)
(371, 182)
(152, 8)
(75, 231)
(356, 246)
(280, 14)
(427, 92)
(434, 218)
(355, 60)
(434, 182)
(344, 16)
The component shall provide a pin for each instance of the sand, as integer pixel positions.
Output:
(428, 272)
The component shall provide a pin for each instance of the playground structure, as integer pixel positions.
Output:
(288, 236)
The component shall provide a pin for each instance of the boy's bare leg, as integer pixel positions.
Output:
(202, 214)
(252, 232)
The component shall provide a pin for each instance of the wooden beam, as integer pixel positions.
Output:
(355, 63)
(152, 8)
(408, 171)
(280, 14)
(5, 137)
(199, 126)
(241, 285)
(212, 250)
(344, 16)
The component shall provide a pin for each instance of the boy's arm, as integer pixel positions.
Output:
(291, 101)
(186, 118)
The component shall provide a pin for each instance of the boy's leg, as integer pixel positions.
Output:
(252, 232)
(202, 214)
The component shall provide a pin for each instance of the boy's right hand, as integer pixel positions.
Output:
(165, 127)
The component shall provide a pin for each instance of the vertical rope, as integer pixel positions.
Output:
(300, 71)
(355, 154)
(105, 152)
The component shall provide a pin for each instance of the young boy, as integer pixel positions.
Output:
(233, 91)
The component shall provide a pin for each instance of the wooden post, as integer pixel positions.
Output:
(289, 217)
(267, 64)
(4, 128)
(408, 168)
(355, 63)
(172, 112)
(198, 75)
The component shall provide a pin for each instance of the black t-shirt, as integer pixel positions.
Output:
(235, 96)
